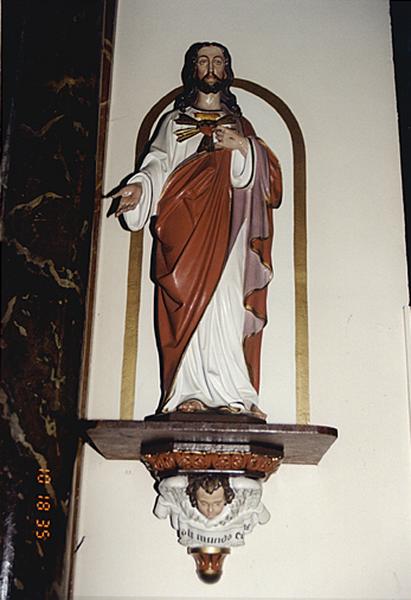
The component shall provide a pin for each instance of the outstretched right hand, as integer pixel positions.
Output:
(130, 197)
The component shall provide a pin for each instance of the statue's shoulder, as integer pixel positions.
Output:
(167, 120)
(248, 129)
(245, 483)
(176, 482)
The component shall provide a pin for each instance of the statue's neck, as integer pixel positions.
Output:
(208, 101)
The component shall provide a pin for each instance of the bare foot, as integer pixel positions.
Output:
(191, 406)
(257, 412)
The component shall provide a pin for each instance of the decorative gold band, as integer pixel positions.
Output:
(131, 326)
(174, 460)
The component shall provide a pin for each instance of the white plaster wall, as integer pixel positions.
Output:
(342, 529)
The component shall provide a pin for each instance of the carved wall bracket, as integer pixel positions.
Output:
(209, 474)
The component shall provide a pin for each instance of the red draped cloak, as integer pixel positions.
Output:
(194, 234)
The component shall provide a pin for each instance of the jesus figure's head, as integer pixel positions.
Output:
(207, 68)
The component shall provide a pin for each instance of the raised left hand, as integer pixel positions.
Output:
(230, 139)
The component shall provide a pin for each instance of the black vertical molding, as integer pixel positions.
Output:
(53, 78)
(401, 38)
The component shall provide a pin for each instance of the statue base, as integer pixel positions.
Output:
(205, 416)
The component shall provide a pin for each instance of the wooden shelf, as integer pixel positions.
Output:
(122, 440)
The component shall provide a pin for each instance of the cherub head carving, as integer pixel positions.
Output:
(209, 493)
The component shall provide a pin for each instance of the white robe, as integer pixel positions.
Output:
(213, 367)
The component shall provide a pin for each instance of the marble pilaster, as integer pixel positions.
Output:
(55, 111)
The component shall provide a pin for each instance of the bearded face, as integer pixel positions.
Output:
(210, 70)
(209, 88)
(207, 69)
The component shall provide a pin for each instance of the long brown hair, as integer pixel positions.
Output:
(188, 76)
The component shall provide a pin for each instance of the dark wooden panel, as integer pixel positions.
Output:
(122, 440)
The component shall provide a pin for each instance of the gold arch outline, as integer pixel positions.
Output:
(300, 257)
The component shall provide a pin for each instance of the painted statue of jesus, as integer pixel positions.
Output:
(208, 185)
